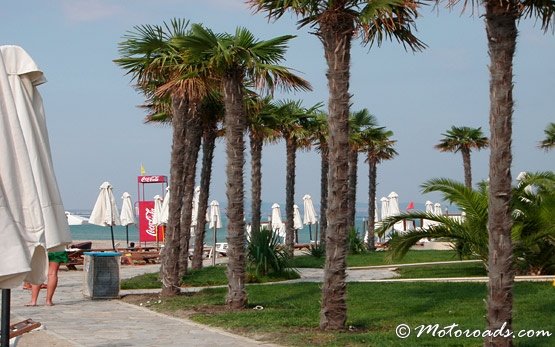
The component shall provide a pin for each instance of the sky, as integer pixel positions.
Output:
(97, 131)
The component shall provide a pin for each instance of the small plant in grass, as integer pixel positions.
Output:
(264, 253)
(317, 250)
(355, 243)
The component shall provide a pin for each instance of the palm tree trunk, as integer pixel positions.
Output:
(467, 168)
(170, 254)
(291, 144)
(372, 174)
(325, 166)
(235, 148)
(352, 197)
(256, 184)
(208, 145)
(502, 32)
(193, 139)
(336, 34)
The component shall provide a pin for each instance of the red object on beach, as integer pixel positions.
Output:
(148, 232)
(410, 206)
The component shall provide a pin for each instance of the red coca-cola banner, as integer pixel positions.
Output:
(151, 179)
(148, 232)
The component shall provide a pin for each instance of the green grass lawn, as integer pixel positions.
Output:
(207, 276)
(291, 312)
(444, 270)
(378, 258)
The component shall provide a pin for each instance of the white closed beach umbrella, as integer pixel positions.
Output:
(429, 209)
(394, 210)
(309, 214)
(437, 209)
(105, 211)
(32, 218)
(277, 223)
(194, 213)
(29, 189)
(214, 222)
(127, 217)
(165, 213)
(297, 222)
(156, 216)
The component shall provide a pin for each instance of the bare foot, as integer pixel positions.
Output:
(49, 304)
(31, 304)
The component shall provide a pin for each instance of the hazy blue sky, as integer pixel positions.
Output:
(97, 132)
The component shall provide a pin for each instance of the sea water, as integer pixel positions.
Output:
(92, 232)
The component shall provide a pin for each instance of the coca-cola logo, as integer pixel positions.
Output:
(151, 179)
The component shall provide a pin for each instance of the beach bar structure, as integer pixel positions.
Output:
(148, 231)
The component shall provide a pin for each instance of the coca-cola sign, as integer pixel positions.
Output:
(152, 179)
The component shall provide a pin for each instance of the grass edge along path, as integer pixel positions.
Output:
(288, 314)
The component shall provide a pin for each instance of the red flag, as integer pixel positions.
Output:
(410, 206)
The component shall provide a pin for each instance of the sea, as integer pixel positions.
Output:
(90, 232)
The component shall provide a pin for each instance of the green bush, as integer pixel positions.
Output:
(355, 243)
(265, 254)
(317, 250)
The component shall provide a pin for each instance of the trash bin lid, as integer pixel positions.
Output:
(102, 254)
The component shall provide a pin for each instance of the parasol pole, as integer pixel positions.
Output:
(112, 232)
(310, 231)
(214, 253)
(6, 298)
(127, 234)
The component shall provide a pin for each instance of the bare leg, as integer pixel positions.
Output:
(35, 289)
(52, 282)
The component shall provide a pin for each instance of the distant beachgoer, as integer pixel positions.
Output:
(54, 261)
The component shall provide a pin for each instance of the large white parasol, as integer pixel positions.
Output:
(429, 209)
(394, 210)
(310, 217)
(32, 217)
(437, 209)
(127, 217)
(277, 223)
(105, 211)
(214, 223)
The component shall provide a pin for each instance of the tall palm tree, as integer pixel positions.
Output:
(211, 114)
(162, 72)
(261, 126)
(359, 122)
(234, 59)
(549, 141)
(379, 147)
(291, 121)
(501, 17)
(336, 23)
(318, 128)
(464, 140)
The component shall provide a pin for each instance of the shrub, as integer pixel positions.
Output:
(264, 253)
(355, 243)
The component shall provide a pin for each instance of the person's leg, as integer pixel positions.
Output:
(35, 289)
(52, 282)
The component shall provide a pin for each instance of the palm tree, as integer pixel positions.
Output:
(234, 59)
(261, 127)
(162, 72)
(464, 140)
(336, 23)
(359, 122)
(211, 112)
(318, 128)
(533, 229)
(501, 27)
(291, 121)
(549, 141)
(379, 147)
